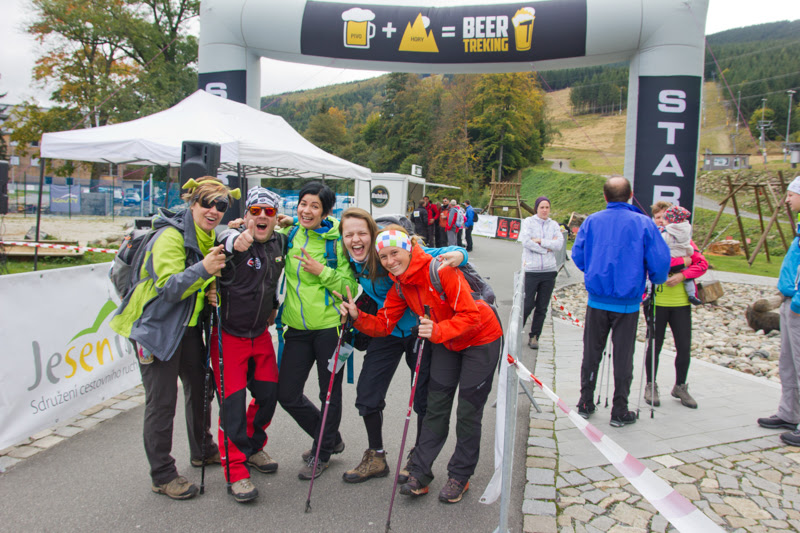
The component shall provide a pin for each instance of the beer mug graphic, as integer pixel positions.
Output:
(523, 28)
(358, 28)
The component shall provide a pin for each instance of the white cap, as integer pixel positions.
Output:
(794, 186)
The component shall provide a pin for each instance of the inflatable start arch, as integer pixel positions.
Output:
(662, 39)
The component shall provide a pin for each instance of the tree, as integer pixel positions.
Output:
(328, 129)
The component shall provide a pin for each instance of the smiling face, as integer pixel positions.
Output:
(356, 238)
(264, 224)
(543, 211)
(207, 218)
(309, 211)
(394, 259)
(793, 200)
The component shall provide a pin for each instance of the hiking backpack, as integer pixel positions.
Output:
(481, 290)
(461, 218)
(127, 265)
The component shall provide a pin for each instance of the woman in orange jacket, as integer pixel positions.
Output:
(466, 343)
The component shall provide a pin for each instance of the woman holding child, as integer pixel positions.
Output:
(672, 302)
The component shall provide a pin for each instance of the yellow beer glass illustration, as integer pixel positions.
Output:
(358, 28)
(523, 28)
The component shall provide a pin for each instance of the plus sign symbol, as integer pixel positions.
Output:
(389, 30)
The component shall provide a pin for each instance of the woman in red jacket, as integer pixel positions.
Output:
(466, 343)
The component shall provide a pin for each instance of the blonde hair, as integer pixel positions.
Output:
(373, 264)
(661, 205)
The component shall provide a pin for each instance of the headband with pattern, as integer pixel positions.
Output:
(392, 238)
(262, 196)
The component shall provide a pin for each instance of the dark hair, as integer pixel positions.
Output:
(467, 202)
(426, 197)
(326, 195)
(617, 189)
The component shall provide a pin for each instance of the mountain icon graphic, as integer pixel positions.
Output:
(417, 39)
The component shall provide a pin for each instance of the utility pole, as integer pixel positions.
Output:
(762, 125)
(790, 92)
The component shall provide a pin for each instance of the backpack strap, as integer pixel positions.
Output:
(331, 260)
(433, 273)
(290, 236)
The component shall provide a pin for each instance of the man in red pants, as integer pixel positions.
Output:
(248, 288)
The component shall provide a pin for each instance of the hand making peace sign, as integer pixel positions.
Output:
(310, 264)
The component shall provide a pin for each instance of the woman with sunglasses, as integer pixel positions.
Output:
(161, 316)
(465, 334)
(249, 287)
(311, 315)
(383, 355)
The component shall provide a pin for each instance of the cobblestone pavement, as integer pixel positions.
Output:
(88, 418)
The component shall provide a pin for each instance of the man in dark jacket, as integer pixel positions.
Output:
(433, 220)
(419, 217)
(441, 232)
(249, 303)
(617, 249)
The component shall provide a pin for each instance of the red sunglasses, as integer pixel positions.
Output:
(221, 204)
(256, 210)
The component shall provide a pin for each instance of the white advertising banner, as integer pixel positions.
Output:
(486, 226)
(59, 355)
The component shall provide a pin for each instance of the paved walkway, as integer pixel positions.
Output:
(739, 474)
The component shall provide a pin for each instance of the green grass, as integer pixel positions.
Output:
(14, 265)
(727, 227)
(567, 192)
(589, 161)
(738, 264)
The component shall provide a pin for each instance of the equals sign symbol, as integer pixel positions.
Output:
(448, 31)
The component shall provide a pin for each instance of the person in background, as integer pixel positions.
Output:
(433, 220)
(617, 249)
(444, 213)
(541, 237)
(162, 317)
(469, 224)
(419, 217)
(451, 227)
(788, 415)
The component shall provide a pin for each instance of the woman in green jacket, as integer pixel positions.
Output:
(312, 317)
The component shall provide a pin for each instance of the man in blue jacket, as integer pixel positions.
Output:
(469, 224)
(617, 249)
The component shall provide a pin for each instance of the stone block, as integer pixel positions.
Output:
(539, 508)
(540, 476)
(539, 524)
(23, 452)
(6, 462)
(539, 492)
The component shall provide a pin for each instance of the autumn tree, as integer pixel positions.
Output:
(328, 129)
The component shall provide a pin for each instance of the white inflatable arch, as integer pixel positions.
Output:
(662, 39)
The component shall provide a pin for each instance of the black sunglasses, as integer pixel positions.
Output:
(221, 204)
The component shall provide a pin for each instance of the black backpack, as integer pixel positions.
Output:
(127, 265)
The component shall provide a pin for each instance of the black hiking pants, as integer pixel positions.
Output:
(538, 290)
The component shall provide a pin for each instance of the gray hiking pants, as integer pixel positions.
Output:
(789, 364)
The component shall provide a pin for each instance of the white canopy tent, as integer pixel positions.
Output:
(263, 144)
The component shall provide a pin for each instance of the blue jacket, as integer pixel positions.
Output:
(378, 290)
(790, 274)
(617, 249)
(470, 217)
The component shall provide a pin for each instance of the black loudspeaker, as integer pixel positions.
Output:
(198, 159)
(236, 209)
(4, 187)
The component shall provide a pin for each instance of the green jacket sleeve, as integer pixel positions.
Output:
(173, 280)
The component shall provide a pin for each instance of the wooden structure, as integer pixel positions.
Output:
(773, 205)
(505, 197)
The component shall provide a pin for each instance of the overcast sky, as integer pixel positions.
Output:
(20, 51)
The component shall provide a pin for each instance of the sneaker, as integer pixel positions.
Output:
(651, 394)
(792, 438)
(773, 422)
(623, 420)
(215, 459)
(262, 462)
(373, 464)
(586, 409)
(402, 477)
(307, 472)
(177, 489)
(682, 393)
(244, 491)
(413, 487)
(337, 449)
(694, 300)
(453, 491)
(533, 342)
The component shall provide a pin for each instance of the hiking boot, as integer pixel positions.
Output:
(773, 422)
(792, 438)
(453, 491)
(694, 300)
(533, 342)
(337, 449)
(215, 459)
(651, 394)
(682, 393)
(623, 420)
(262, 462)
(244, 491)
(177, 489)
(586, 409)
(413, 487)
(402, 477)
(373, 464)
(307, 472)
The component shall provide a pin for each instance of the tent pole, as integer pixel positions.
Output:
(38, 213)
(243, 185)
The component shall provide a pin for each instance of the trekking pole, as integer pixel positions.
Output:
(222, 395)
(610, 351)
(603, 363)
(405, 429)
(205, 408)
(652, 317)
(345, 327)
(648, 341)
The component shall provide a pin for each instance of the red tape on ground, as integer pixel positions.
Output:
(59, 247)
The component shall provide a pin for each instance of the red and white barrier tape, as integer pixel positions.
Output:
(59, 247)
(570, 317)
(679, 511)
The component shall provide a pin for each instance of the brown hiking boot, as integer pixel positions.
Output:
(262, 462)
(337, 449)
(533, 342)
(651, 394)
(405, 472)
(453, 491)
(413, 487)
(373, 464)
(682, 393)
(177, 489)
(244, 491)
(215, 459)
(307, 471)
